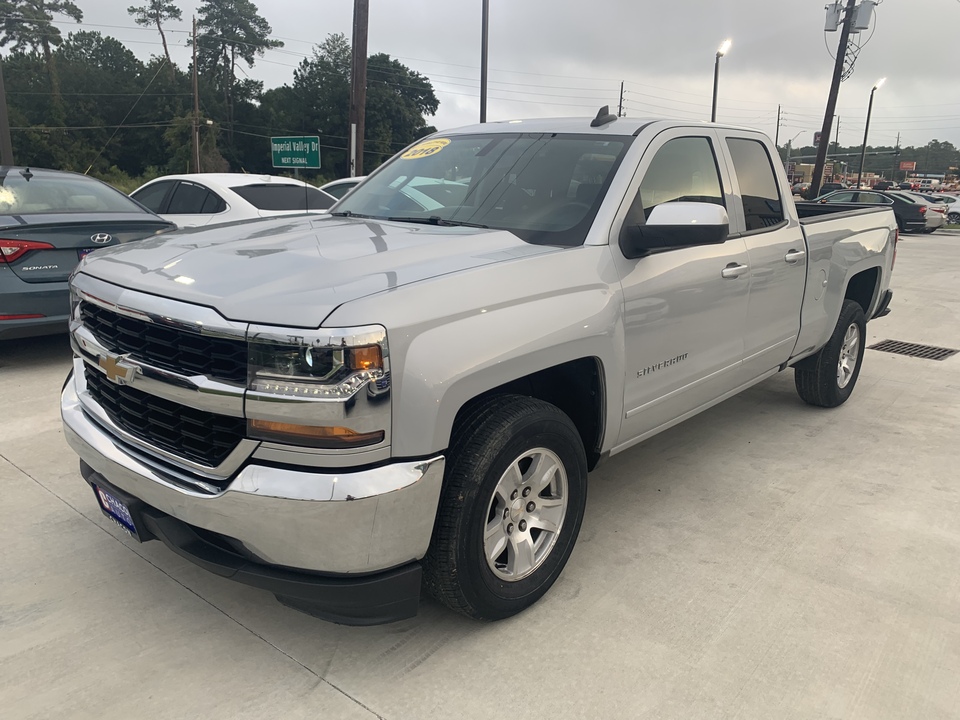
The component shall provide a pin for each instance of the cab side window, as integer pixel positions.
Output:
(759, 191)
(683, 170)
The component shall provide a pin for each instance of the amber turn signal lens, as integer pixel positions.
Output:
(366, 357)
(312, 436)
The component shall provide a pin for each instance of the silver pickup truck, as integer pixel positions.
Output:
(410, 391)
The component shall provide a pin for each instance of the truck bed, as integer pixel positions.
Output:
(840, 241)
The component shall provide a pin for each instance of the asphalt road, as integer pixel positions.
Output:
(763, 560)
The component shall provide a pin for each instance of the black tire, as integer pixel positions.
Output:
(487, 440)
(954, 218)
(818, 378)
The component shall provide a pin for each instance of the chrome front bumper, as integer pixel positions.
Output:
(329, 522)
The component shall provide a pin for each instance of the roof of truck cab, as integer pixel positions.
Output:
(619, 126)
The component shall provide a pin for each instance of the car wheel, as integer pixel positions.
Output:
(827, 379)
(954, 218)
(515, 488)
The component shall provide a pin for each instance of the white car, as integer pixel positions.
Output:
(953, 208)
(339, 188)
(212, 198)
(936, 211)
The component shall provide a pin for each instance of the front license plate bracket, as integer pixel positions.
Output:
(120, 508)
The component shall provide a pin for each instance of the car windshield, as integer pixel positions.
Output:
(25, 193)
(281, 196)
(546, 189)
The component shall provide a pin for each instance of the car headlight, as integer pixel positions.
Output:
(305, 389)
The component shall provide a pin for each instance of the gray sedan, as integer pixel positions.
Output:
(49, 220)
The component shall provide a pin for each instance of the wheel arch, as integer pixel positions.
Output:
(863, 288)
(577, 387)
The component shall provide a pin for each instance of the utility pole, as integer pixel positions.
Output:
(196, 104)
(896, 158)
(620, 109)
(484, 38)
(358, 87)
(776, 140)
(832, 100)
(836, 142)
(6, 147)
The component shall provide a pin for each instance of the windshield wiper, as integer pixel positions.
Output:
(437, 220)
(351, 214)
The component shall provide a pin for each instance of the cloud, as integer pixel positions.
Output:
(561, 59)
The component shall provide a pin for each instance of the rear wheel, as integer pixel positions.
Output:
(513, 500)
(827, 378)
(954, 218)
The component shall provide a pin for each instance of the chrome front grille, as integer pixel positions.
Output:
(171, 348)
(197, 435)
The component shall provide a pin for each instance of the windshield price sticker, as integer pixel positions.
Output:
(425, 149)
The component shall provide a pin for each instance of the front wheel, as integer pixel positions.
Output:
(514, 494)
(954, 218)
(827, 378)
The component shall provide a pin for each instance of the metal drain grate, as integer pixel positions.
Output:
(927, 352)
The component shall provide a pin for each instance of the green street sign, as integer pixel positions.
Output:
(295, 152)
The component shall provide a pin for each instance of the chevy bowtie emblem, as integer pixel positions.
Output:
(117, 370)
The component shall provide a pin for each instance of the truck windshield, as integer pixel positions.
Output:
(546, 189)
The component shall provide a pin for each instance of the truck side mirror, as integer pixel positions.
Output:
(674, 224)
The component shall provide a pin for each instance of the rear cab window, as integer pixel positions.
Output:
(284, 197)
(759, 190)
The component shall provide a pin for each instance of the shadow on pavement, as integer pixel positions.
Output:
(36, 352)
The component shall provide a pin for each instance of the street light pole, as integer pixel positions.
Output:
(866, 130)
(724, 49)
(484, 39)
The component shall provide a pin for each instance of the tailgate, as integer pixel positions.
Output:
(54, 247)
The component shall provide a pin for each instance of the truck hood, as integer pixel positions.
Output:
(294, 271)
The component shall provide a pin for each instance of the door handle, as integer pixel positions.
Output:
(733, 270)
(795, 256)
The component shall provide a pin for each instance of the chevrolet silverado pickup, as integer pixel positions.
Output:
(409, 392)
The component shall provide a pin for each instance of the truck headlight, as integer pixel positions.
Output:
(312, 368)
(304, 388)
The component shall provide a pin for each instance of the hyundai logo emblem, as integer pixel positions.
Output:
(101, 238)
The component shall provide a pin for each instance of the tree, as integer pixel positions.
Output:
(397, 100)
(231, 30)
(28, 24)
(155, 12)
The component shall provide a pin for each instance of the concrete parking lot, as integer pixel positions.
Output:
(763, 560)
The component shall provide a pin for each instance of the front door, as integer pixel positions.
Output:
(684, 308)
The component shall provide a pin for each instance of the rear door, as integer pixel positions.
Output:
(777, 252)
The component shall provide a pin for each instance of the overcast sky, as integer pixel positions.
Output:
(551, 58)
